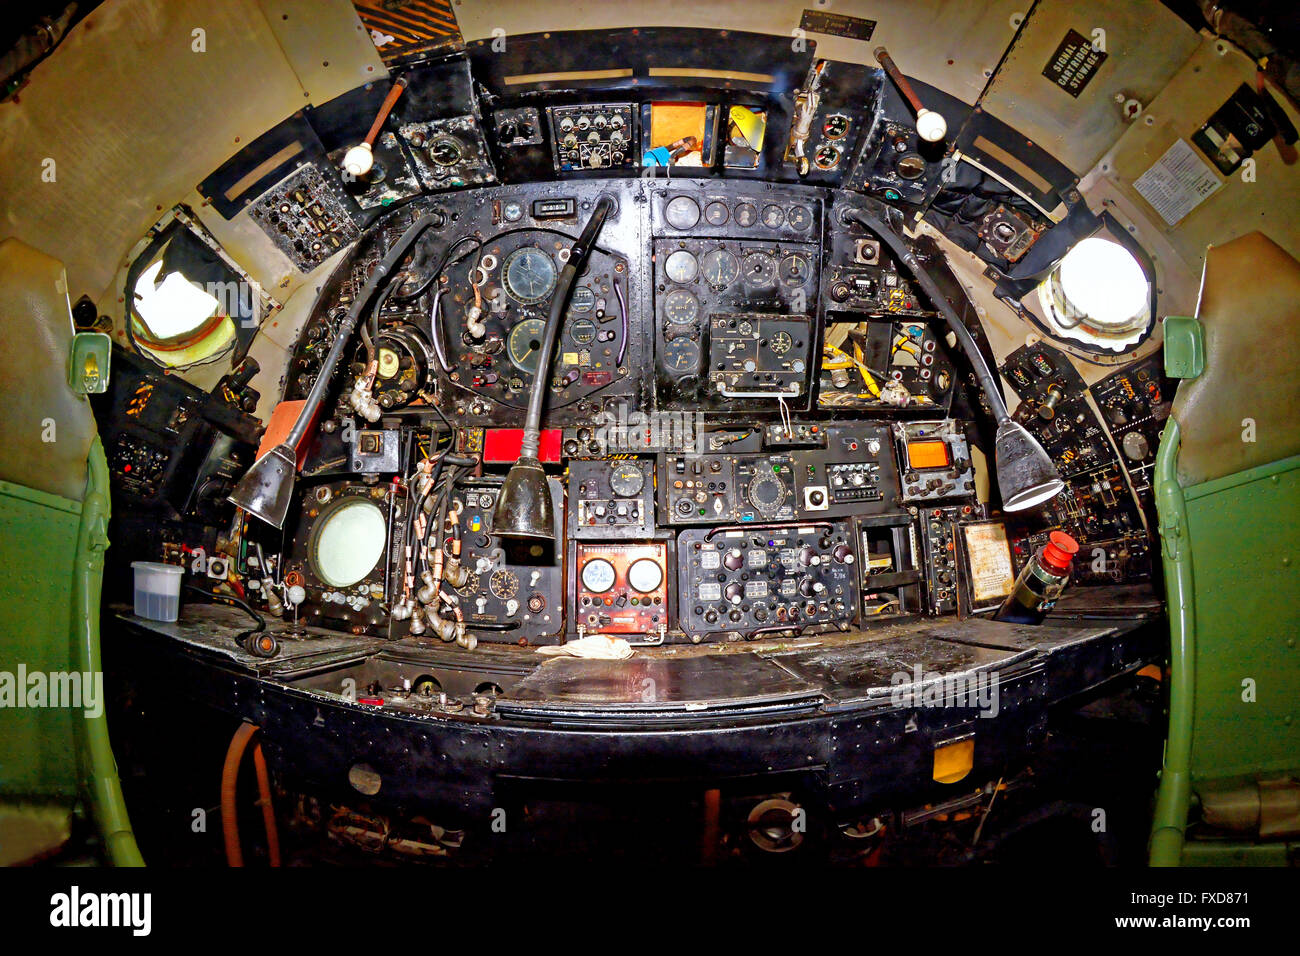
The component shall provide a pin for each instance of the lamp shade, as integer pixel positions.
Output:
(267, 488)
(524, 508)
(1026, 476)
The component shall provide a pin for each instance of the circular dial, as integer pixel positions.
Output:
(503, 584)
(681, 266)
(645, 575)
(716, 213)
(680, 307)
(773, 216)
(348, 542)
(746, 215)
(836, 125)
(827, 157)
(445, 151)
(512, 211)
(682, 212)
(582, 331)
(799, 218)
(524, 343)
(681, 355)
(598, 575)
(766, 492)
(759, 269)
(910, 166)
(721, 268)
(795, 269)
(781, 342)
(583, 299)
(626, 479)
(529, 275)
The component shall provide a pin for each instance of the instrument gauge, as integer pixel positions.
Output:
(681, 355)
(681, 266)
(626, 479)
(716, 213)
(721, 268)
(773, 216)
(781, 342)
(799, 218)
(795, 270)
(645, 575)
(910, 166)
(759, 269)
(524, 343)
(445, 151)
(598, 575)
(583, 299)
(746, 215)
(529, 275)
(512, 211)
(681, 212)
(582, 332)
(503, 584)
(680, 307)
(836, 126)
(827, 157)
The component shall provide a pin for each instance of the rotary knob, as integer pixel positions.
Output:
(733, 559)
(766, 492)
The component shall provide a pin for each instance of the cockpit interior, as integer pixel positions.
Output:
(861, 433)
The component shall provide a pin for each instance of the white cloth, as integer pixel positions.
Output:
(595, 646)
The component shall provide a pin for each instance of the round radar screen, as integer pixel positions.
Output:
(598, 576)
(348, 542)
(645, 575)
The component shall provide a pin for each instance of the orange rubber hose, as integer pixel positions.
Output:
(229, 781)
(268, 811)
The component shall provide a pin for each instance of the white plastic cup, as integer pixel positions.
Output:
(157, 590)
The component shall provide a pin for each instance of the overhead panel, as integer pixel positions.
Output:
(325, 43)
(950, 44)
(1074, 67)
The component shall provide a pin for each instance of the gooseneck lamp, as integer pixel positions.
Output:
(523, 509)
(1026, 476)
(267, 488)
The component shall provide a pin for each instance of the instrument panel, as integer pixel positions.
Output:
(753, 413)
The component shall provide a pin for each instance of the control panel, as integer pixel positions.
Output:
(306, 216)
(746, 582)
(1135, 404)
(611, 498)
(622, 588)
(713, 489)
(449, 153)
(593, 136)
(854, 473)
(349, 541)
(934, 459)
(513, 593)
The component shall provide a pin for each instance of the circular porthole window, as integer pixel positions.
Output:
(1098, 295)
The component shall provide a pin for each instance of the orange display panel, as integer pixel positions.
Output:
(927, 454)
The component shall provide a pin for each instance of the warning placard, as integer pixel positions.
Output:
(1177, 183)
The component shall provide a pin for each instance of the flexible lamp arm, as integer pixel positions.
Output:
(931, 289)
(578, 256)
(266, 489)
(349, 324)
